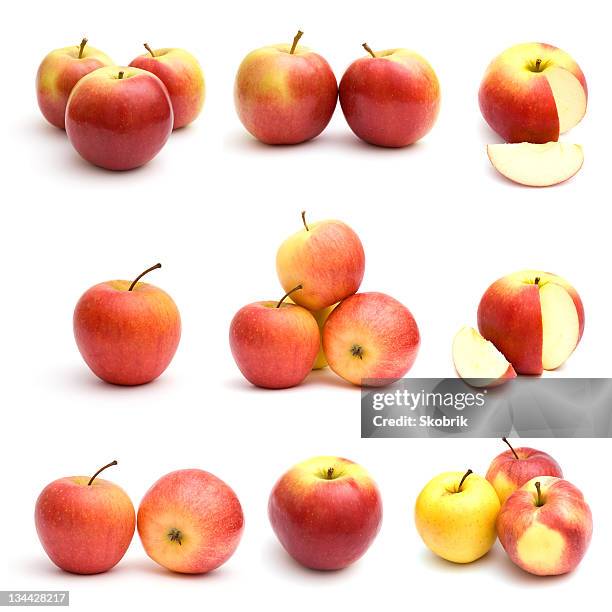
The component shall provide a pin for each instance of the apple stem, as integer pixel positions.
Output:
(101, 470)
(280, 302)
(82, 47)
(539, 500)
(304, 221)
(369, 50)
(155, 267)
(538, 64)
(536, 280)
(121, 73)
(296, 39)
(148, 48)
(463, 480)
(175, 536)
(504, 439)
(330, 473)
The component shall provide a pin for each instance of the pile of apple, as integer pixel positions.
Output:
(366, 338)
(529, 321)
(530, 94)
(542, 520)
(287, 94)
(119, 117)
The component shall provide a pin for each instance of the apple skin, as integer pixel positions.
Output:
(518, 103)
(321, 317)
(391, 100)
(507, 473)
(182, 75)
(550, 539)
(370, 336)
(327, 259)
(57, 75)
(119, 123)
(190, 522)
(274, 348)
(126, 337)
(458, 526)
(84, 529)
(325, 523)
(284, 98)
(509, 315)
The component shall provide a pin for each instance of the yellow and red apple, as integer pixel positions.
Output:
(535, 319)
(546, 526)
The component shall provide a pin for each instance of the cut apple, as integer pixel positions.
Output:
(570, 97)
(478, 362)
(536, 165)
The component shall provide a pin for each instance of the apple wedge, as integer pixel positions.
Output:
(478, 362)
(536, 165)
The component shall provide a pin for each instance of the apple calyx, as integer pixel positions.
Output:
(82, 47)
(369, 50)
(538, 64)
(536, 280)
(296, 39)
(504, 439)
(101, 470)
(330, 473)
(120, 75)
(357, 351)
(155, 267)
(148, 48)
(174, 535)
(280, 302)
(539, 500)
(304, 221)
(463, 480)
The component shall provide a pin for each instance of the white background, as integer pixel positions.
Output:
(438, 226)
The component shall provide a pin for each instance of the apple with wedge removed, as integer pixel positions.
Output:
(59, 72)
(370, 339)
(455, 516)
(127, 332)
(326, 512)
(182, 75)
(326, 257)
(533, 92)
(536, 165)
(390, 98)
(535, 319)
(274, 344)
(85, 524)
(190, 522)
(546, 526)
(478, 362)
(285, 94)
(511, 469)
(119, 118)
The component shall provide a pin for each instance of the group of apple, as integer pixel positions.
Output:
(366, 338)
(529, 321)
(119, 117)
(287, 94)
(542, 520)
(325, 512)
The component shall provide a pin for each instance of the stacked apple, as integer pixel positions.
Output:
(286, 94)
(119, 117)
(366, 338)
(530, 94)
(529, 321)
(542, 520)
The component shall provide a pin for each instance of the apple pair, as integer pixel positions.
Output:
(360, 335)
(530, 94)
(286, 94)
(529, 321)
(119, 117)
(189, 521)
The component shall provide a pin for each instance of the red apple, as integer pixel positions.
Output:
(326, 512)
(545, 526)
(390, 98)
(326, 258)
(535, 319)
(180, 72)
(127, 332)
(119, 118)
(513, 468)
(285, 94)
(59, 72)
(274, 344)
(190, 522)
(370, 339)
(85, 524)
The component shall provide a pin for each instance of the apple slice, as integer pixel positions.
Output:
(478, 362)
(570, 97)
(536, 165)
